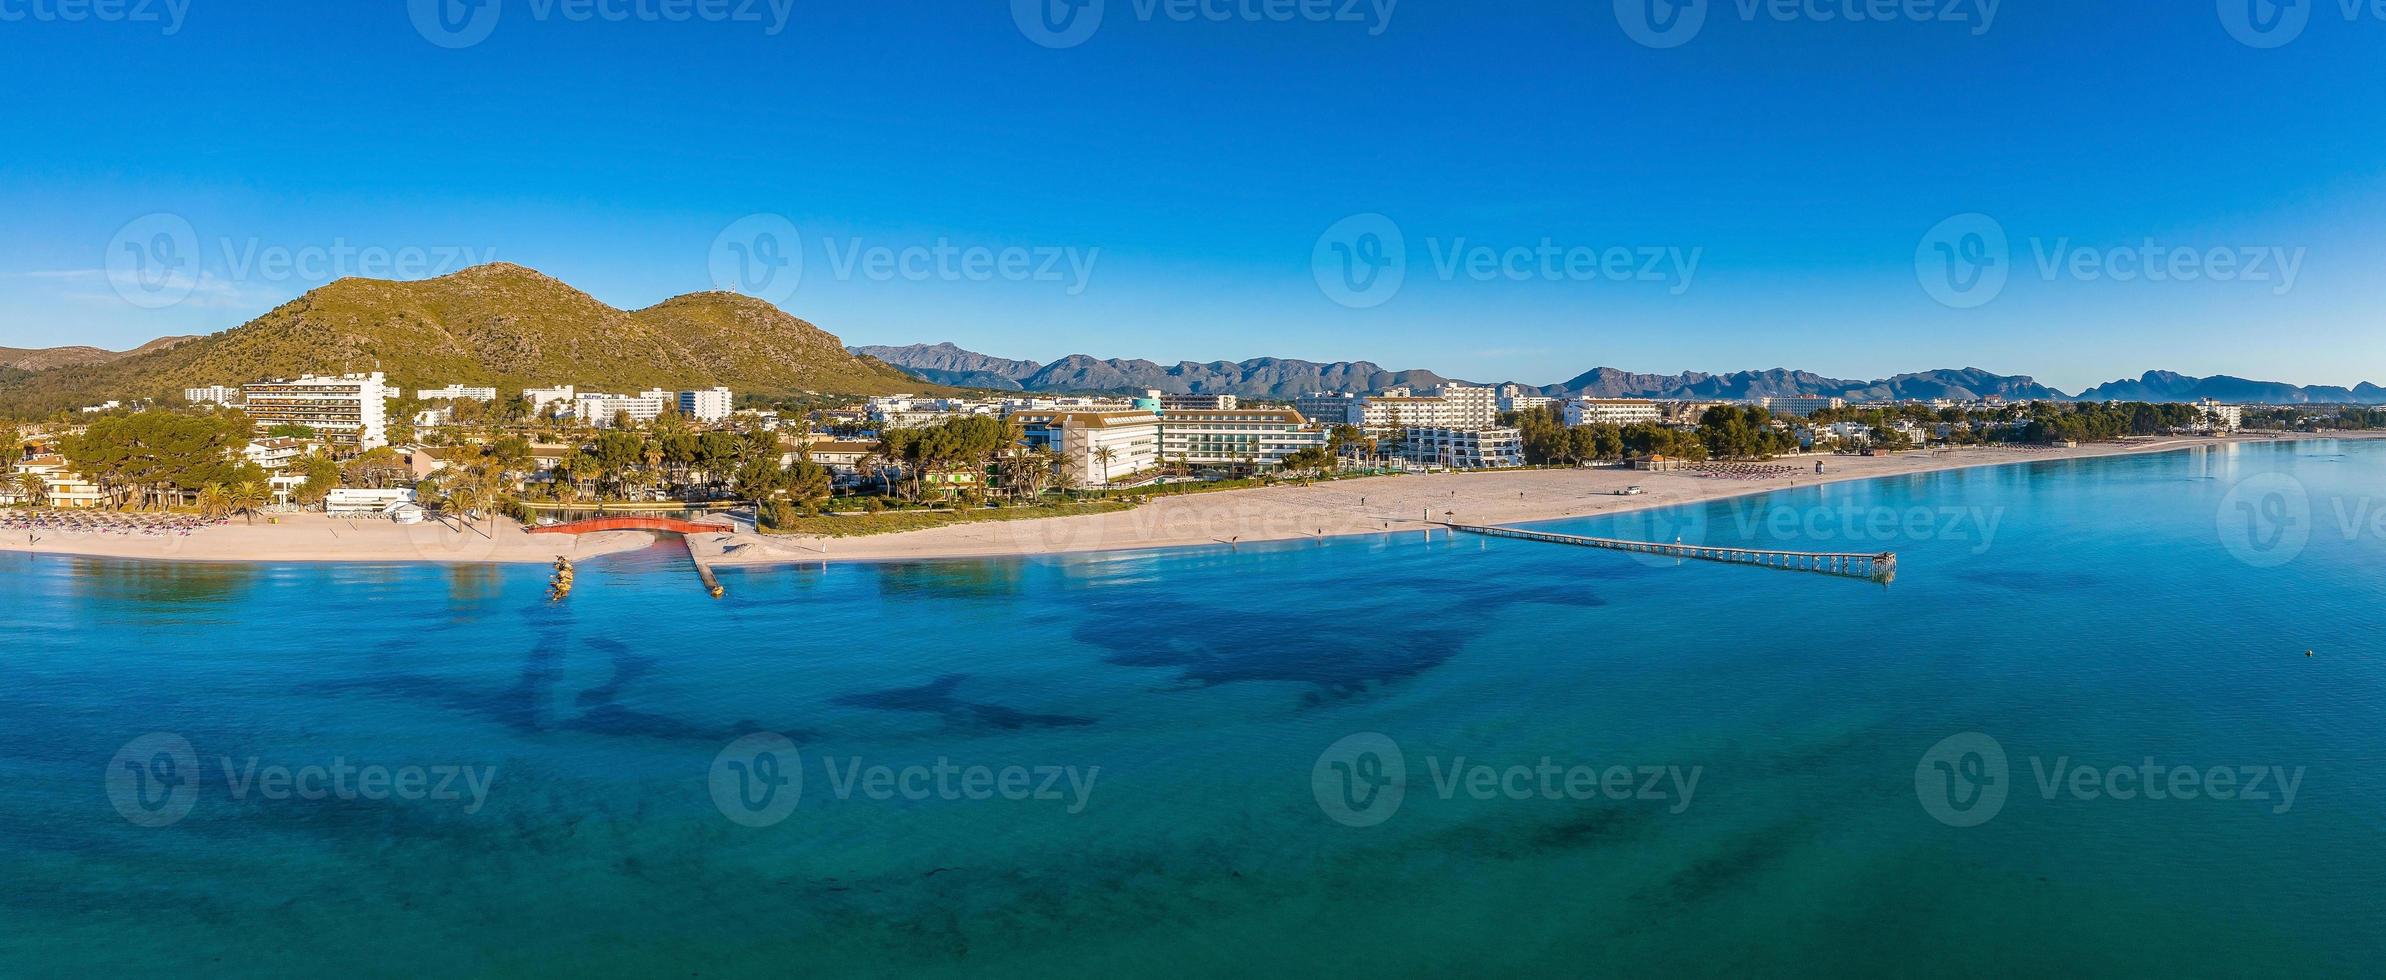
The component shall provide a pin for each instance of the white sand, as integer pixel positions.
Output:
(1367, 506)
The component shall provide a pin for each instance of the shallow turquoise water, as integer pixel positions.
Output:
(2087, 613)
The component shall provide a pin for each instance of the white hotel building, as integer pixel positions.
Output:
(456, 393)
(602, 410)
(1257, 436)
(1096, 448)
(1467, 449)
(212, 395)
(349, 411)
(707, 406)
(1612, 411)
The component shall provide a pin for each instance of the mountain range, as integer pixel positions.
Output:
(1270, 377)
(498, 324)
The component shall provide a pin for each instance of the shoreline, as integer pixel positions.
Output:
(1343, 508)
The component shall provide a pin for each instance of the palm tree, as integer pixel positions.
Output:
(1103, 456)
(34, 489)
(214, 501)
(247, 497)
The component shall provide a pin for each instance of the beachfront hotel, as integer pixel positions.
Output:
(1465, 449)
(212, 395)
(1612, 411)
(1798, 405)
(64, 488)
(1096, 448)
(457, 393)
(349, 411)
(1228, 437)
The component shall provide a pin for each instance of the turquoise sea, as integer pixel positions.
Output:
(1144, 764)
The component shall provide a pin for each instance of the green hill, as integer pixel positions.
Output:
(499, 324)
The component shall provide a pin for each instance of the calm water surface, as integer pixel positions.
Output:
(2094, 613)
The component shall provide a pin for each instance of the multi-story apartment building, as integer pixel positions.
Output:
(1328, 408)
(1195, 403)
(274, 455)
(62, 487)
(1467, 406)
(908, 412)
(212, 395)
(1255, 436)
(599, 409)
(1470, 449)
(1518, 398)
(1612, 411)
(542, 399)
(457, 393)
(1096, 448)
(708, 406)
(1799, 405)
(349, 411)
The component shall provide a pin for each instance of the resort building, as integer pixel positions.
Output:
(1466, 449)
(274, 455)
(349, 411)
(542, 399)
(707, 406)
(63, 487)
(2222, 418)
(1467, 406)
(1327, 408)
(1259, 437)
(1799, 405)
(456, 393)
(1097, 448)
(1385, 414)
(908, 412)
(1612, 411)
(1518, 398)
(212, 395)
(602, 410)
(1194, 403)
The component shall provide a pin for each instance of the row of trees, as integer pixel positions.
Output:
(159, 458)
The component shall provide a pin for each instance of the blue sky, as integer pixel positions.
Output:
(1182, 181)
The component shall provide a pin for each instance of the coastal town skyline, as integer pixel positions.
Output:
(1626, 231)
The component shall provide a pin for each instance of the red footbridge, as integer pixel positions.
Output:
(672, 525)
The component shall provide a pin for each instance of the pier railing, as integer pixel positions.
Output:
(1879, 567)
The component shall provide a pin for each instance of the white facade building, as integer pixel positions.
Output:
(457, 393)
(2222, 418)
(1467, 406)
(1612, 411)
(1799, 405)
(349, 411)
(1255, 436)
(1097, 448)
(1328, 408)
(598, 409)
(542, 399)
(709, 405)
(1466, 449)
(212, 395)
(1195, 403)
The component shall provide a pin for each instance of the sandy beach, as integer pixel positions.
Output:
(1375, 505)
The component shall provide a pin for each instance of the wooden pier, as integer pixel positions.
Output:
(1881, 567)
